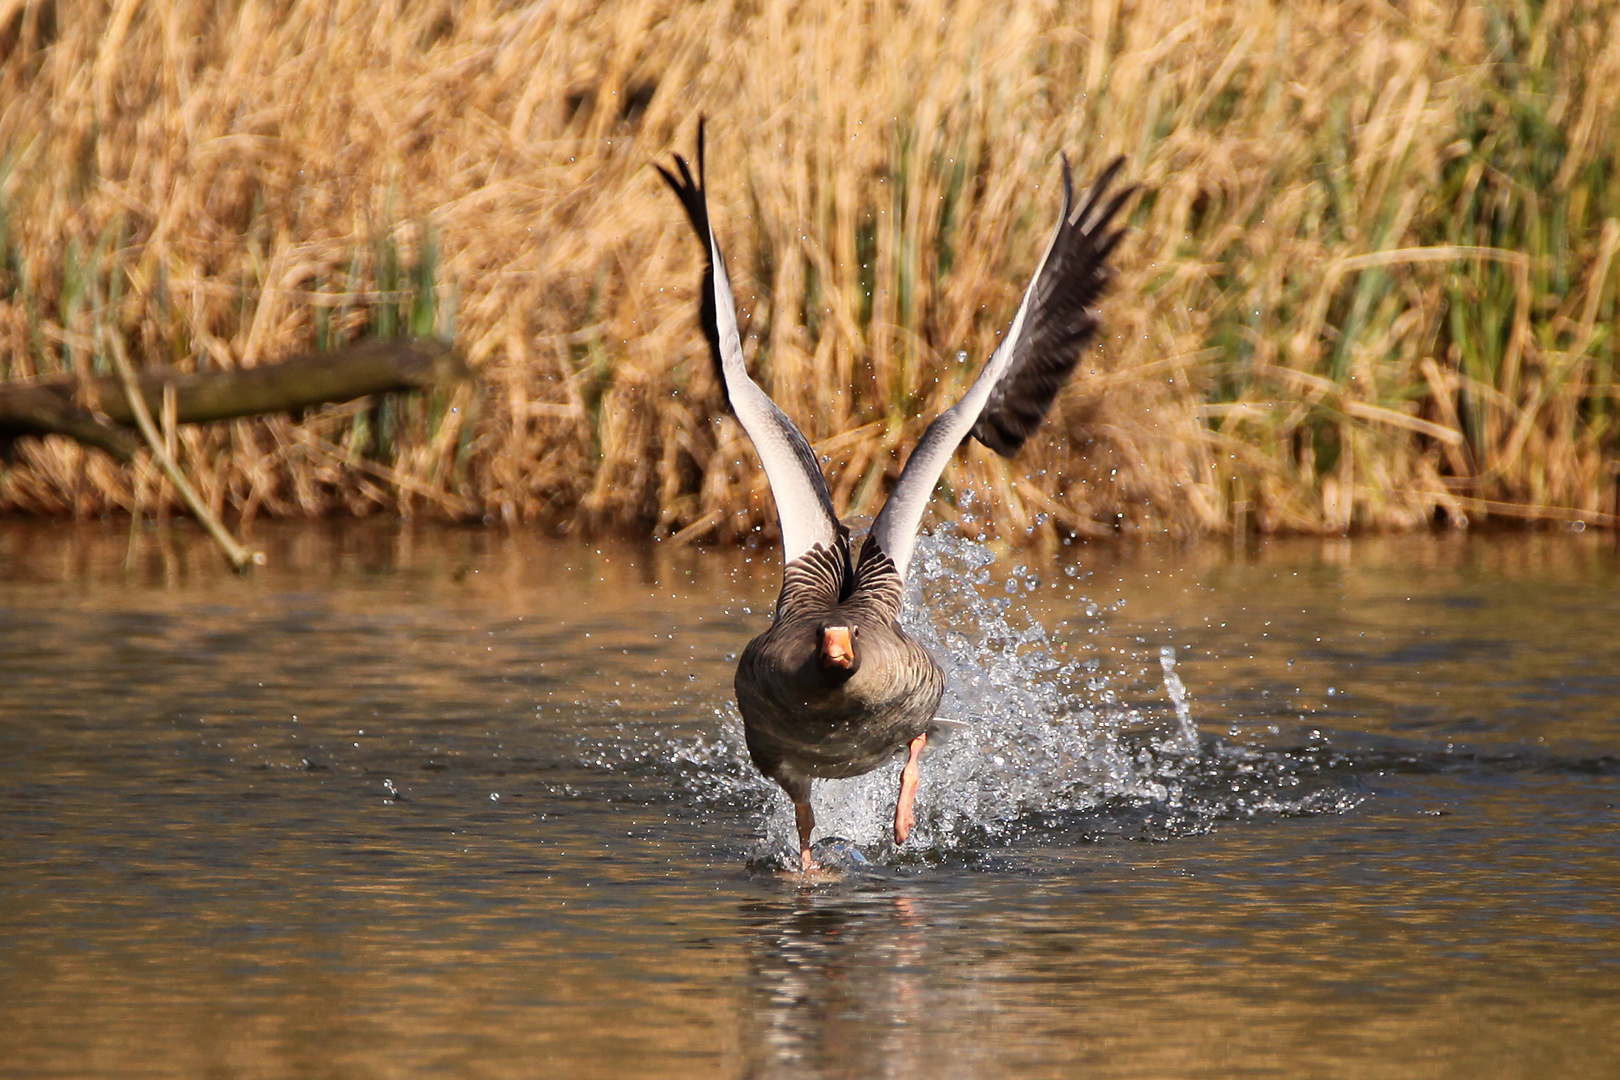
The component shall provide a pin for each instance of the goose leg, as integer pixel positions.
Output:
(904, 819)
(805, 818)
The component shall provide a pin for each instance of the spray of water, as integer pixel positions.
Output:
(1028, 731)
(1028, 734)
(1178, 697)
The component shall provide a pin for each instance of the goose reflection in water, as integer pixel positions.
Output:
(841, 985)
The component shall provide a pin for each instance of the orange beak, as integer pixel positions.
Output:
(837, 649)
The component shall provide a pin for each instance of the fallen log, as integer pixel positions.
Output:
(97, 411)
(38, 409)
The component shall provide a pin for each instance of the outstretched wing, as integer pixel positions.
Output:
(804, 508)
(1014, 392)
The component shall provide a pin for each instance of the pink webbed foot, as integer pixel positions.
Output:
(904, 819)
(805, 819)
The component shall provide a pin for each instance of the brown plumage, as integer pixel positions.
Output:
(805, 717)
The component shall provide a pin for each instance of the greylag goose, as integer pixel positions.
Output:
(835, 687)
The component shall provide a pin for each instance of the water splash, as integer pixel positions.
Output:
(1033, 732)
(1034, 740)
(1178, 697)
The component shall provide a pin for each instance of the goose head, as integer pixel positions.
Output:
(836, 653)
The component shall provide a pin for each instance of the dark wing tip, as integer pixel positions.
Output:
(694, 199)
(694, 196)
(1073, 276)
(691, 190)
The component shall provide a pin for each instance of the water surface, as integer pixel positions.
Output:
(461, 802)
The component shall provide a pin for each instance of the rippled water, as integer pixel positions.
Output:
(456, 802)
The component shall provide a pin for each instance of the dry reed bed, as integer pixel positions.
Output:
(1371, 280)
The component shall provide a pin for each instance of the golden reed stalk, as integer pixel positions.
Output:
(1371, 283)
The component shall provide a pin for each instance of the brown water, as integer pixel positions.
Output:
(459, 803)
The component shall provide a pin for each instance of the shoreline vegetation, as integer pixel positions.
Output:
(1370, 283)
